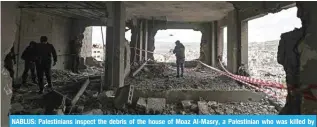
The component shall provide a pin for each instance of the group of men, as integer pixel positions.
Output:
(38, 59)
(38, 56)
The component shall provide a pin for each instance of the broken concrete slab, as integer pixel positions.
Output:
(186, 104)
(123, 96)
(106, 98)
(203, 107)
(141, 103)
(175, 96)
(156, 104)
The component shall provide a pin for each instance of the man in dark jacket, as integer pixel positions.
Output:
(179, 52)
(9, 61)
(29, 56)
(45, 51)
(288, 57)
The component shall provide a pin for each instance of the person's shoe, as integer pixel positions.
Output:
(177, 76)
(182, 76)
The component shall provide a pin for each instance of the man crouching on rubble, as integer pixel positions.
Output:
(179, 52)
(45, 51)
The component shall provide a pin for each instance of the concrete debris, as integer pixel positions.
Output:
(203, 108)
(90, 61)
(94, 112)
(16, 108)
(106, 98)
(156, 104)
(187, 103)
(141, 103)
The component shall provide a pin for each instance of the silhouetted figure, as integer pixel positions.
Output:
(45, 51)
(179, 52)
(75, 50)
(29, 57)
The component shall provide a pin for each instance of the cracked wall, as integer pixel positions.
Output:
(9, 28)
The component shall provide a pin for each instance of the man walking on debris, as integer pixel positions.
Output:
(9, 61)
(29, 56)
(45, 51)
(287, 56)
(179, 52)
(75, 50)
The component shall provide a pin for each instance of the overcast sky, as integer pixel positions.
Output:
(266, 28)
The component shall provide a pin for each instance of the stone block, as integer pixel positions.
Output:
(187, 103)
(141, 103)
(156, 104)
(123, 96)
(106, 98)
(203, 108)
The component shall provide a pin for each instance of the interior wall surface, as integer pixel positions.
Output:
(9, 27)
(36, 24)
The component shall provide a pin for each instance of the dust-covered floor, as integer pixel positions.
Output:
(155, 77)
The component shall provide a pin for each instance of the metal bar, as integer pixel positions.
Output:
(139, 69)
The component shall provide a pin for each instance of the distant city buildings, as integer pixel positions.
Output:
(98, 52)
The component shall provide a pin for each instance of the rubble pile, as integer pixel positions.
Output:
(165, 80)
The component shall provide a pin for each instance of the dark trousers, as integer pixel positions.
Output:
(29, 66)
(293, 100)
(44, 68)
(180, 65)
(75, 62)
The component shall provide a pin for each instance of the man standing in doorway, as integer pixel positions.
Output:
(179, 52)
(75, 50)
(45, 51)
(29, 56)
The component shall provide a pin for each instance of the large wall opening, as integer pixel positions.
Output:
(264, 35)
(99, 41)
(165, 43)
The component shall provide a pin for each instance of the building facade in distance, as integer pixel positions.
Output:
(98, 52)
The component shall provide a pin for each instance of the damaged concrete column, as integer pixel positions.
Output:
(152, 30)
(244, 43)
(210, 49)
(115, 45)
(140, 41)
(237, 44)
(134, 38)
(145, 39)
(214, 44)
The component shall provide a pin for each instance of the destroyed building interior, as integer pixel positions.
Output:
(129, 81)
